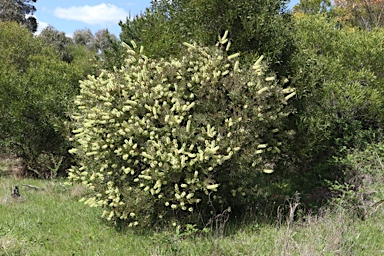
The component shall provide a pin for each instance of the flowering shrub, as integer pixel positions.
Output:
(168, 139)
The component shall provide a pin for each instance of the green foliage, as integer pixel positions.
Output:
(83, 60)
(312, 6)
(59, 40)
(104, 39)
(152, 31)
(339, 78)
(102, 48)
(179, 139)
(255, 28)
(360, 190)
(84, 37)
(35, 90)
(111, 51)
(113, 56)
(363, 162)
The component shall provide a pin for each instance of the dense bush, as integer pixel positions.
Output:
(339, 81)
(35, 90)
(255, 27)
(361, 190)
(177, 139)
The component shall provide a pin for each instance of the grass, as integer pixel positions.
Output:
(51, 221)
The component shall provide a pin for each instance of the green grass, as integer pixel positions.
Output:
(51, 221)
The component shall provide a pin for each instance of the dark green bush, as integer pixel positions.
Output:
(177, 140)
(339, 80)
(361, 190)
(36, 88)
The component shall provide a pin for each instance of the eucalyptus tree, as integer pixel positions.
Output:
(20, 11)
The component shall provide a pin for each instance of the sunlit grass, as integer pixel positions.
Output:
(50, 221)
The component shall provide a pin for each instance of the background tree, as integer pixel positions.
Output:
(113, 56)
(19, 11)
(312, 6)
(255, 28)
(86, 38)
(111, 51)
(102, 47)
(59, 40)
(104, 39)
(36, 91)
(363, 13)
(98, 42)
(78, 55)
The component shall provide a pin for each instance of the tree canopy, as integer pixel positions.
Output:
(20, 11)
(59, 40)
(312, 6)
(364, 13)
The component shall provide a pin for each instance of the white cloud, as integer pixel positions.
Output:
(101, 14)
(40, 26)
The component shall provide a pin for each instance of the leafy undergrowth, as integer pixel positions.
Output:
(48, 220)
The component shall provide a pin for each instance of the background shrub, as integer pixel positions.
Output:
(339, 78)
(177, 140)
(361, 190)
(36, 88)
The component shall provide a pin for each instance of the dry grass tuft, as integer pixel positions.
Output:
(7, 245)
(78, 191)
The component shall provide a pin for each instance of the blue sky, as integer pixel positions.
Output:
(70, 15)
